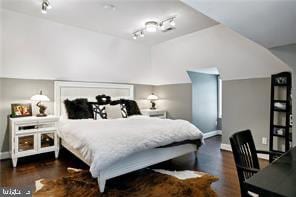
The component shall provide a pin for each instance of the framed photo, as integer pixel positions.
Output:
(21, 110)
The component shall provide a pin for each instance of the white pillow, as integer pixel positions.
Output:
(113, 111)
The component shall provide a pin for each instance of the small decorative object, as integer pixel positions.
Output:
(281, 80)
(21, 110)
(152, 99)
(40, 97)
(281, 106)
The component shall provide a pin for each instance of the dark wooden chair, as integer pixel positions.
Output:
(245, 156)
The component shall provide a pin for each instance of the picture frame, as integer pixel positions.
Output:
(21, 110)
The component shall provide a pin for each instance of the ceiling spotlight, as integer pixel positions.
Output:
(151, 26)
(44, 6)
(161, 26)
(142, 34)
(173, 23)
(43, 9)
(135, 36)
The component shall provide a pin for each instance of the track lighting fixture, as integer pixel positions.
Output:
(44, 6)
(142, 34)
(173, 23)
(153, 26)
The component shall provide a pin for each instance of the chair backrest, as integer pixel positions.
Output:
(245, 156)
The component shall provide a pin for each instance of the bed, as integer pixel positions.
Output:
(133, 150)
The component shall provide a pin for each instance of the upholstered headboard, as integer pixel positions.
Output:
(72, 90)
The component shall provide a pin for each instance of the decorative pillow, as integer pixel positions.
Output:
(123, 110)
(103, 99)
(131, 107)
(113, 111)
(99, 111)
(78, 109)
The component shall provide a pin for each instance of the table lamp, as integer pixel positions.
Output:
(152, 99)
(40, 97)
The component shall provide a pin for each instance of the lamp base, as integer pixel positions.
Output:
(42, 109)
(153, 105)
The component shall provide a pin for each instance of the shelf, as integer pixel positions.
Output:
(280, 126)
(281, 85)
(278, 135)
(280, 110)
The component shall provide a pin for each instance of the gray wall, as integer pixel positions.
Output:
(288, 55)
(15, 91)
(176, 99)
(21, 90)
(204, 101)
(246, 105)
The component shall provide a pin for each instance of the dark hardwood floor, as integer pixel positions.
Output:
(210, 160)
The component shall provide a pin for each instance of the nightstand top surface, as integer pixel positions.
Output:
(34, 118)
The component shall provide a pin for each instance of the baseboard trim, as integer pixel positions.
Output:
(212, 133)
(227, 147)
(4, 155)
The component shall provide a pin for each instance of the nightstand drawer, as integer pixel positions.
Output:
(47, 141)
(162, 116)
(25, 144)
(42, 125)
(154, 113)
(26, 128)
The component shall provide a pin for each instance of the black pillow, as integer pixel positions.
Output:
(78, 109)
(130, 105)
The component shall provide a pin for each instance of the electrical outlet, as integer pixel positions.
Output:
(264, 140)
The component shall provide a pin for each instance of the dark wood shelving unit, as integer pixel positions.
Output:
(280, 113)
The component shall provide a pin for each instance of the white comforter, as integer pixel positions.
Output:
(103, 142)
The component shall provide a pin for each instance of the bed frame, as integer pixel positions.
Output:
(72, 90)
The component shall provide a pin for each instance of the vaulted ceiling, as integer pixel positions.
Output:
(126, 18)
(52, 47)
(270, 23)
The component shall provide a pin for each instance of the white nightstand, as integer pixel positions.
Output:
(154, 113)
(33, 135)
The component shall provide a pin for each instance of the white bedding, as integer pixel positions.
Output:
(103, 142)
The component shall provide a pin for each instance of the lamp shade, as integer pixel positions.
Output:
(39, 97)
(152, 97)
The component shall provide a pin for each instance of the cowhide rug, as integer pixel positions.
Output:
(146, 183)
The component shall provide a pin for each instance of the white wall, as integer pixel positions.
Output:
(235, 56)
(40, 49)
(36, 48)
